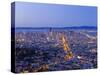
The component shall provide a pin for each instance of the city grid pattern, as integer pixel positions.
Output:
(53, 37)
(54, 49)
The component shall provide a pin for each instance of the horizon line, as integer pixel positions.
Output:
(56, 27)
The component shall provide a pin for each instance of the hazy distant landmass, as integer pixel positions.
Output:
(78, 27)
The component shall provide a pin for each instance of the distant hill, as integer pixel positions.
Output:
(81, 27)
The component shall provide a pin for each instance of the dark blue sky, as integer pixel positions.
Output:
(54, 15)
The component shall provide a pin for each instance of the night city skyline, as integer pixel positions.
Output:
(53, 37)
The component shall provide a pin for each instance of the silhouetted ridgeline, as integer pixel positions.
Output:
(81, 27)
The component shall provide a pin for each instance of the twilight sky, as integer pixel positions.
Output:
(54, 15)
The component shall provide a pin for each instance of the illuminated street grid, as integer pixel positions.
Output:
(53, 50)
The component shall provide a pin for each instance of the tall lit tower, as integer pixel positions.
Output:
(51, 34)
